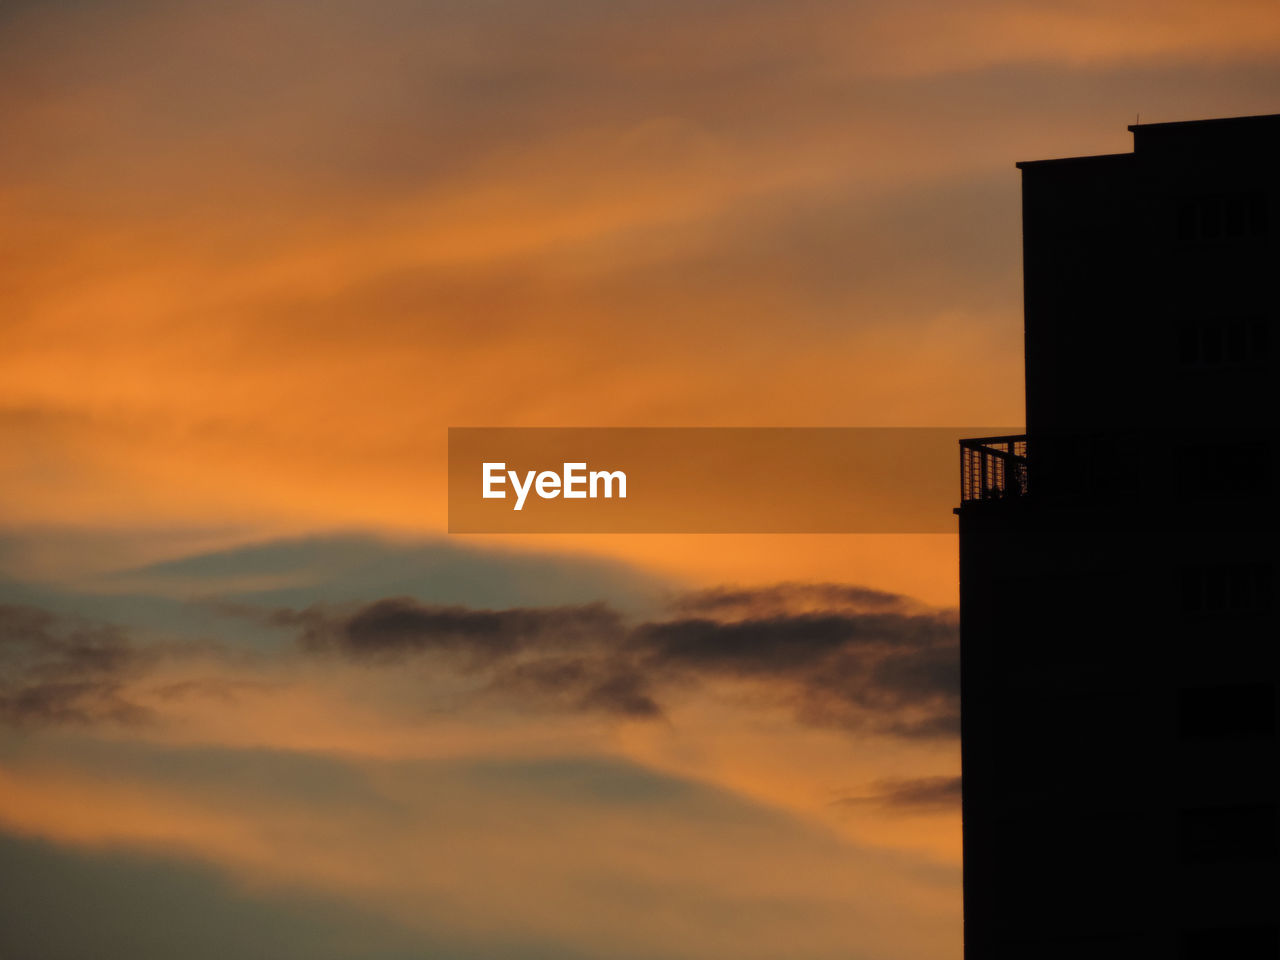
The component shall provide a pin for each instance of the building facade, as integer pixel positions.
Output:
(1120, 644)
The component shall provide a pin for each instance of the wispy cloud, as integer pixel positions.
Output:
(911, 794)
(526, 213)
(598, 751)
(854, 658)
(58, 670)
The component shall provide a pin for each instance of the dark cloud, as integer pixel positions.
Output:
(587, 684)
(393, 627)
(894, 672)
(784, 598)
(834, 655)
(553, 656)
(869, 660)
(64, 670)
(922, 793)
(351, 568)
(210, 688)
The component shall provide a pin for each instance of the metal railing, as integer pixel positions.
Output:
(993, 468)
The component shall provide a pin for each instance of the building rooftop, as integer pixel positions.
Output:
(1212, 125)
(1063, 161)
(1194, 136)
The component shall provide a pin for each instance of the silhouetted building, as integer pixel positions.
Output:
(1120, 650)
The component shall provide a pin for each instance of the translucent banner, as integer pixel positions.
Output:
(706, 479)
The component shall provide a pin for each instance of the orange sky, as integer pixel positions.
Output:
(256, 258)
(256, 261)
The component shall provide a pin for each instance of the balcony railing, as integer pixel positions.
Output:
(993, 468)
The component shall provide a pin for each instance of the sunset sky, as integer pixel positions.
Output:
(257, 257)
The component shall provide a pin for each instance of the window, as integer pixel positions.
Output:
(1232, 943)
(1224, 342)
(1224, 470)
(1233, 216)
(1227, 588)
(1218, 834)
(1237, 711)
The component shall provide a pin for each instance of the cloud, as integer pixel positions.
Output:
(558, 657)
(556, 762)
(578, 855)
(192, 910)
(845, 657)
(354, 567)
(527, 213)
(726, 602)
(911, 794)
(895, 672)
(583, 684)
(397, 626)
(60, 670)
(219, 689)
(834, 656)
